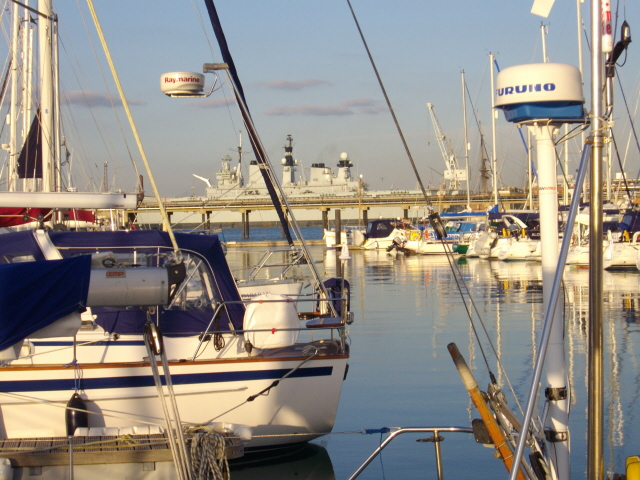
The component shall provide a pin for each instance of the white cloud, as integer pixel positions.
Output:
(311, 110)
(95, 99)
(359, 102)
(281, 84)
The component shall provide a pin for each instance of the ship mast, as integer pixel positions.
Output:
(240, 178)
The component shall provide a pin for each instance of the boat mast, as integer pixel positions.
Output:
(13, 115)
(240, 180)
(57, 174)
(45, 34)
(27, 91)
(466, 140)
(595, 410)
(484, 171)
(494, 155)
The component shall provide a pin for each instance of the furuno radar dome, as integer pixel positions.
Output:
(540, 91)
(182, 83)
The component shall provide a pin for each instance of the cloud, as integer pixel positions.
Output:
(217, 102)
(373, 110)
(359, 102)
(281, 84)
(366, 106)
(95, 99)
(311, 110)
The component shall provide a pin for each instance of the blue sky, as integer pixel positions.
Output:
(306, 73)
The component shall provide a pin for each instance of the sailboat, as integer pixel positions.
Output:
(122, 347)
(542, 97)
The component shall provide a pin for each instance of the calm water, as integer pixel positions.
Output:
(407, 310)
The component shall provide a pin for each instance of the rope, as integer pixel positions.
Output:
(393, 114)
(175, 438)
(134, 130)
(208, 459)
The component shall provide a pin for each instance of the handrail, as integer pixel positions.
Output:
(436, 433)
(244, 302)
(262, 263)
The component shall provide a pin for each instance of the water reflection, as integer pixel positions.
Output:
(307, 462)
(408, 308)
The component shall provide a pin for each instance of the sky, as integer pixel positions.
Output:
(306, 73)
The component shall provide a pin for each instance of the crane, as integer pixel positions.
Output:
(453, 174)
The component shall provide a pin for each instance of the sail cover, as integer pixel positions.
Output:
(36, 294)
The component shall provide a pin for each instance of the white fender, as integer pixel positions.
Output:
(271, 321)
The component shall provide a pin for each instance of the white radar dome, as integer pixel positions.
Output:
(540, 90)
(182, 83)
(344, 156)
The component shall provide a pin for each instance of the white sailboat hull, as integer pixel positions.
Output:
(118, 387)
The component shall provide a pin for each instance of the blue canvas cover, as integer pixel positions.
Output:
(131, 320)
(36, 294)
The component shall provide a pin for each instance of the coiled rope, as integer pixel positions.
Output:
(208, 459)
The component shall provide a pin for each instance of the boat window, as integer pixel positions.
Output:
(197, 292)
(20, 258)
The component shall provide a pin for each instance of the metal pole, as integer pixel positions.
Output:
(595, 411)
(13, 115)
(57, 132)
(565, 188)
(466, 140)
(555, 291)
(556, 375)
(530, 173)
(543, 32)
(494, 112)
(46, 92)
(436, 444)
(70, 457)
(580, 61)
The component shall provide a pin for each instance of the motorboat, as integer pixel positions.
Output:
(383, 233)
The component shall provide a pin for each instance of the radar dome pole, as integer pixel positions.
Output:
(543, 97)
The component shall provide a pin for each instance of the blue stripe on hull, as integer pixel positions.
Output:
(147, 380)
(110, 343)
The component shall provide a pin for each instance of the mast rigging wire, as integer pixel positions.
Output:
(456, 272)
(395, 119)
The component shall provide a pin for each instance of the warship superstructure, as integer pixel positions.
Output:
(230, 182)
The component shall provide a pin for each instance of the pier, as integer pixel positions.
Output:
(246, 212)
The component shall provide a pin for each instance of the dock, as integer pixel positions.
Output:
(98, 450)
(271, 243)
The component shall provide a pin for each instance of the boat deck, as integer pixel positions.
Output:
(53, 451)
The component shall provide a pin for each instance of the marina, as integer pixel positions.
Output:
(456, 337)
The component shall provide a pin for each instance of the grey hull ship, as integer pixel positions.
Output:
(231, 182)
